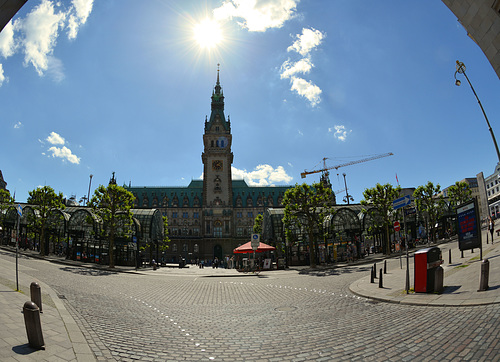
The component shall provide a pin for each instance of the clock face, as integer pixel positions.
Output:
(217, 165)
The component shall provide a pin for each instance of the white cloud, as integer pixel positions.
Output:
(307, 41)
(257, 15)
(36, 34)
(18, 125)
(262, 175)
(7, 44)
(82, 9)
(289, 69)
(2, 76)
(306, 89)
(61, 152)
(64, 153)
(340, 132)
(40, 28)
(55, 139)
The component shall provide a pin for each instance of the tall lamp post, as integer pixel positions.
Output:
(461, 70)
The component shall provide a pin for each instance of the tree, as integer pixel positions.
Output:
(257, 225)
(6, 201)
(112, 204)
(308, 206)
(459, 193)
(381, 198)
(430, 202)
(43, 200)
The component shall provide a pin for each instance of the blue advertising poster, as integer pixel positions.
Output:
(469, 232)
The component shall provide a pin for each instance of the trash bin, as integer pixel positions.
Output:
(426, 262)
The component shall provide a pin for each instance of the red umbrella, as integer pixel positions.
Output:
(247, 248)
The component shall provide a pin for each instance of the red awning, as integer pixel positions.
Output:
(247, 248)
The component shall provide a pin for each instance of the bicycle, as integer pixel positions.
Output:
(255, 269)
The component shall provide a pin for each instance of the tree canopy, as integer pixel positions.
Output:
(43, 200)
(380, 198)
(459, 193)
(112, 204)
(307, 206)
(429, 201)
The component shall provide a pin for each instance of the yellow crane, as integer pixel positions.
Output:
(325, 169)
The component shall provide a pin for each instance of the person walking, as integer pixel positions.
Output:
(491, 228)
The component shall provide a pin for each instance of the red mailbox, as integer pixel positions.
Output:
(426, 262)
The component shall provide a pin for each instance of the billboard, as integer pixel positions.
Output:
(469, 229)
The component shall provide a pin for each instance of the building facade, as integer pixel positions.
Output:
(210, 217)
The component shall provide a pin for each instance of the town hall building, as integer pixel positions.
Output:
(210, 217)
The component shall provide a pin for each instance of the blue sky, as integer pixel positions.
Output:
(92, 87)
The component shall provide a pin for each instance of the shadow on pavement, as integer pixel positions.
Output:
(87, 271)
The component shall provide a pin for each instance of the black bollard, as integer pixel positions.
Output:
(380, 285)
(439, 280)
(449, 254)
(36, 295)
(375, 270)
(372, 276)
(385, 266)
(485, 271)
(33, 325)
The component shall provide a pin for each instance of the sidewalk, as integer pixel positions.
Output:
(461, 279)
(63, 339)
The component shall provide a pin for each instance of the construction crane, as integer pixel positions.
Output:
(325, 169)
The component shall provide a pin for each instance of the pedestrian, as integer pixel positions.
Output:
(492, 228)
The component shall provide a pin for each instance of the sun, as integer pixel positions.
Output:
(208, 34)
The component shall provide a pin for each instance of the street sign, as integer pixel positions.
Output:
(397, 226)
(401, 202)
(255, 241)
(19, 209)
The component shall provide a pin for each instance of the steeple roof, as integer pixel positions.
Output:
(217, 107)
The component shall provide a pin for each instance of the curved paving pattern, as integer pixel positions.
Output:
(221, 315)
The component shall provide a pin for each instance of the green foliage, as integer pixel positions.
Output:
(430, 203)
(307, 206)
(380, 199)
(112, 204)
(257, 225)
(6, 201)
(459, 193)
(43, 199)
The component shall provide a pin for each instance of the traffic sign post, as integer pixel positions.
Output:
(255, 241)
(19, 209)
(397, 226)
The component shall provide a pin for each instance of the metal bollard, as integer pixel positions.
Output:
(385, 266)
(380, 285)
(485, 271)
(36, 295)
(449, 254)
(375, 270)
(372, 275)
(438, 280)
(33, 325)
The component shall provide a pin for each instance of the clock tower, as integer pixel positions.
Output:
(217, 159)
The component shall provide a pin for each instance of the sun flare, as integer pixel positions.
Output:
(208, 33)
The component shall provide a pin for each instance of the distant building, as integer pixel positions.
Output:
(493, 191)
(210, 217)
(481, 19)
(3, 184)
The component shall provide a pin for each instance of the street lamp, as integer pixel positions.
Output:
(347, 197)
(461, 70)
